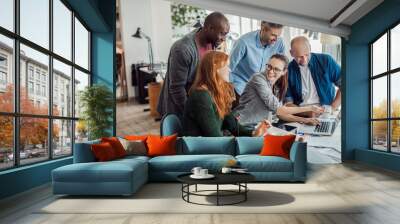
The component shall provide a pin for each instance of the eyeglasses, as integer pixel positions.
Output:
(274, 69)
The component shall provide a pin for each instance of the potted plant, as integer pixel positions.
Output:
(97, 103)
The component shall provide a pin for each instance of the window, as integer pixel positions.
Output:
(62, 29)
(44, 91)
(38, 89)
(30, 73)
(44, 77)
(3, 72)
(7, 14)
(3, 78)
(62, 137)
(6, 142)
(30, 87)
(37, 74)
(3, 61)
(45, 131)
(3, 82)
(81, 45)
(6, 74)
(62, 74)
(385, 96)
(81, 81)
(35, 22)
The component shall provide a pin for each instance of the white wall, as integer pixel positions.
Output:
(154, 17)
(162, 29)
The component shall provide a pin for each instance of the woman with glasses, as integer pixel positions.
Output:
(208, 107)
(264, 94)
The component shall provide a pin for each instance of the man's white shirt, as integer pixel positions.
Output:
(309, 91)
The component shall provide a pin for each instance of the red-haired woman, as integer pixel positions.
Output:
(208, 107)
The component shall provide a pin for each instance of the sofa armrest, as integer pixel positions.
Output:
(83, 152)
(298, 155)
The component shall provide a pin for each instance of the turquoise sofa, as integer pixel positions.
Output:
(125, 176)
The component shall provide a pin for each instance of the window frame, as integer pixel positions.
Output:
(388, 74)
(16, 114)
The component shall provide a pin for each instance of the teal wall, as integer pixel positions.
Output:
(356, 99)
(103, 53)
(99, 16)
(24, 178)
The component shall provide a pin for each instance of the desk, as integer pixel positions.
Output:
(143, 76)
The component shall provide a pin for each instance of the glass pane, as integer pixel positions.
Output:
(81, 131)
(395, 94)
(62, 29)
(395, 47)
(81, 81)
(379, 97)
(62, 89)
(35, 21)
(395, 138)
(81, 45)
(379, 55)
(7, 14)
(62, 138)
(379, 135)
(6, 142)
(6, 74)
(34, 97)
(33, 139)
(245, 25)
(255, 24)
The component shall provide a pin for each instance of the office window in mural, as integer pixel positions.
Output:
(43, 109)
(385, 96)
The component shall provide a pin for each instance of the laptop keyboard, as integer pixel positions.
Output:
(322, 127)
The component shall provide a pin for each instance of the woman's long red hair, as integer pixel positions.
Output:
(207, 78)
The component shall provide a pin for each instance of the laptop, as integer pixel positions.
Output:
(328, 124)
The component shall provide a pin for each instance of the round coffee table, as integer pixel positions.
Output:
(238, 179)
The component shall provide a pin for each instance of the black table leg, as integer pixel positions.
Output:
(245, 193)
(217, 194)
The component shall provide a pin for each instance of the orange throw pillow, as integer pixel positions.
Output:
(103, 152)
(277, 145)
(161, 145)
(116, 145)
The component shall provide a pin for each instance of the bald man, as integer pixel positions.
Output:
(183, 58)
(312, 77)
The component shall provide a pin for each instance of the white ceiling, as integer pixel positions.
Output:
(320, 9)
(316, 15)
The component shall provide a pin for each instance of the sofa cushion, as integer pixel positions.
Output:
(277, 145)
(134, 147)
(185, 163)
(103, 152)
(116, 145)
(111, 171)
(83, 152)
(249, 145)
(161, 145)
(207, 145)
(257, 163)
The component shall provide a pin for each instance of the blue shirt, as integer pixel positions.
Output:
(249, 56)
(325, 73)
